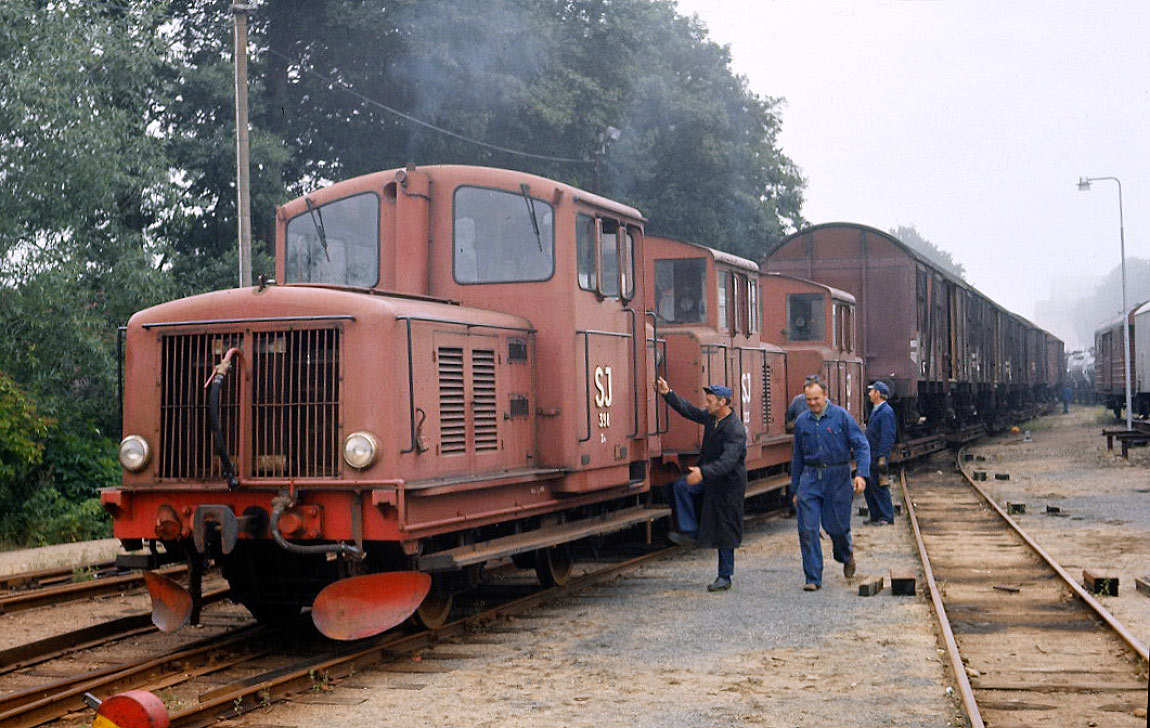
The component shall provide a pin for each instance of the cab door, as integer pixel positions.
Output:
(611, 345)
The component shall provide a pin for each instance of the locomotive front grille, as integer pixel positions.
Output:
(186, 447)
(294, 394)
(295, 404)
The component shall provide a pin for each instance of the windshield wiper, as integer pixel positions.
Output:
(317, 220)
(531, 210)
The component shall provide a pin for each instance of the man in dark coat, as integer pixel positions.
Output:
(720, 476)
(880, 435)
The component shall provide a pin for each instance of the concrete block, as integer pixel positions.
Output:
(1015, 508)
(870, 586)
(1142, 584)
(1098, 582)
(902, 583)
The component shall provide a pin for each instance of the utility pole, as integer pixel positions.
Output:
(243, 191)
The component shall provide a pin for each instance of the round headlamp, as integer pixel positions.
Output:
(360, 449)
(134, 453)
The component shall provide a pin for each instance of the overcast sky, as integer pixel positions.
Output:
(971, 120)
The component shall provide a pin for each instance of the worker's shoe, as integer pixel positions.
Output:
(849, 568)
(809, 586)
(721, 583)
(686, 540)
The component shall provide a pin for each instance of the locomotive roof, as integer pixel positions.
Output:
(479, 176)
(919, 257)
(720, 256)
(834, 292)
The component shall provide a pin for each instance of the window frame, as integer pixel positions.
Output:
(519, 194)
(625, 235)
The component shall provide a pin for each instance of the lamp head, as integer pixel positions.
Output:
(1083, 184)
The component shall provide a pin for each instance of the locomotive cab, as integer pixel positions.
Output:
(705, 303)
(816, 325)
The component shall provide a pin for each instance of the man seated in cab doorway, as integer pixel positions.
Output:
(826, 436)
(880, 434)
(720, 476)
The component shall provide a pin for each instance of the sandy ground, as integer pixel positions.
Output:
(654, 648)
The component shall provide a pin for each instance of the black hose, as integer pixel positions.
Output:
(282, 503)
(218, 433)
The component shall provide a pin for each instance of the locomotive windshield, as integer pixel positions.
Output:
(680, 290)
(805, 314)
(502, 237)
(336, 243)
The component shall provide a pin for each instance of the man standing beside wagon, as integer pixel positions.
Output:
(880, 434)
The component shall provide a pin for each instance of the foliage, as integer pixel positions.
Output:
(22, 433)
(910, 235)
(117, 163)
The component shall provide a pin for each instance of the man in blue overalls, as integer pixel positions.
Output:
(826, 436)
(880, 434)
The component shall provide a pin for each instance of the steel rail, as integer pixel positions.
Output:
(42, 577)
(33, 653)
(258, 691)
(956, 665)
(34, 598)
(41, 704)
(1136, 644)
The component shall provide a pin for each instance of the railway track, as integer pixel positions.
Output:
(1027, 645)
(38, 589)
(252, 667)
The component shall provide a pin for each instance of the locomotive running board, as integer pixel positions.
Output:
(364, 606)
(496, 548)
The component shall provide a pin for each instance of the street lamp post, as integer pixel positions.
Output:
(1084, 186)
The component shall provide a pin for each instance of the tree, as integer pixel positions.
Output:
(910, 235)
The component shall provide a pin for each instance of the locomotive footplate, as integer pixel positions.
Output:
(541, 538)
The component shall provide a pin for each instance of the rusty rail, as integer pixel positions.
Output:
(33, 598)
(956, 665)
(1136, 644)
(255, 692)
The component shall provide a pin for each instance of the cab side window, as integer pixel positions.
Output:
(724, 316)
(602, 247)
(585, 251)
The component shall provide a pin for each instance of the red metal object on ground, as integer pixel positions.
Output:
(364, 606)
(132, 709)
(171, 602)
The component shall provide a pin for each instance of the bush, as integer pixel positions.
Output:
(49, 476)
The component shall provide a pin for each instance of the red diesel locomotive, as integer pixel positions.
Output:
(453, 366)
